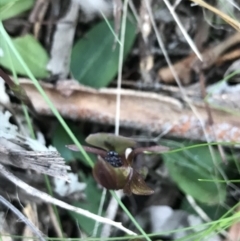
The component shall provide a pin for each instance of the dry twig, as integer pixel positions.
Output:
(22, 217)
(49, 199)
(210, 56)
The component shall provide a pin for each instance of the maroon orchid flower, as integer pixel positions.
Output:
(114, 170)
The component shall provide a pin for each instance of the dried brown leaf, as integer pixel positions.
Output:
(139, 110)
(46, 162)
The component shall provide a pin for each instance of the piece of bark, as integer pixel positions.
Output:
(139, 110)
(146, 57)
(46, 162)
(63, 41)
(26, 153)
(230, 56)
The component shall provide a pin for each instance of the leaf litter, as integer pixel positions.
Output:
(158, 110)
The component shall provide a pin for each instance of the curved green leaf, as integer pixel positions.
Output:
(32, 53)
(186, 167)
(94, 60)
(11, 8)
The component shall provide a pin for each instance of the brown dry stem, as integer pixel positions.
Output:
(210, 56)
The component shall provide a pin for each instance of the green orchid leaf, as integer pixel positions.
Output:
(111, 142)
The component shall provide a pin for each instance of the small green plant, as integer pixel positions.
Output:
(114, 169)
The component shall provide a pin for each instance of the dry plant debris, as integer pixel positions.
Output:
(49, 199)
(152, 112)
(27, 153)
(210, 56)
(64, 40)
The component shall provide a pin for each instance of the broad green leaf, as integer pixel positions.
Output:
(189, 165)
(94, 60)
(30, 50)
(110, 142)
(61, 139)
(11, 8)
(92, 202)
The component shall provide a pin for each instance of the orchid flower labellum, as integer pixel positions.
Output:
(114, 170)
